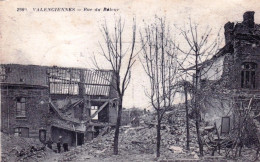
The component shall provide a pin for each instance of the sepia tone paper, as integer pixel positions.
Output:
(66, 36)
(70, 38)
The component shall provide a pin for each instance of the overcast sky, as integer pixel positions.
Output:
(71, 38)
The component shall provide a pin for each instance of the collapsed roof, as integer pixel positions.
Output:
(68, 81)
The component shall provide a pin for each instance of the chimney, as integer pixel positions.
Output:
(249, 19)
(228, 32)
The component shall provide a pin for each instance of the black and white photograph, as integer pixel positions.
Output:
(130, 80)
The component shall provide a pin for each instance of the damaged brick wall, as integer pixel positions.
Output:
(36, 106)
(242, 48)
(93, 85)
(29, 86)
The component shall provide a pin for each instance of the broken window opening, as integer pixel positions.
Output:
(92, 111)
(21, 132)
(20, 107)
(248, 75)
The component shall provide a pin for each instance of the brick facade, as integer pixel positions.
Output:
(29, 106)
(239, 70)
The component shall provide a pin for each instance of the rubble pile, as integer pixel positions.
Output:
(136, 141)
(17, 148)
(142, 139)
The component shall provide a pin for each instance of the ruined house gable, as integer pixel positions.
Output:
(79, 93)
(223, 96)
(45, 99)
(236, 64)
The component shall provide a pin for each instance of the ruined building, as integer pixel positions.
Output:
(232, 77)
(48, 102)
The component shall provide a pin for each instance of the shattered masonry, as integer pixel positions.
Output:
(232, 77)
(48, 102)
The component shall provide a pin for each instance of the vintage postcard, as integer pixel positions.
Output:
(130, 80)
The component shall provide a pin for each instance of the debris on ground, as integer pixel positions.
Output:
(134, 140)
(138, 143)
(16, 148)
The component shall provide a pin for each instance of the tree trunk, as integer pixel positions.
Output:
(118, 123)
(198, 126)
(158, 137)
(196, 105)
(187, 118)
(198, 136)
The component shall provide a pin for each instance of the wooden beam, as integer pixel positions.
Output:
(104, 131)
(61, 115)
(100, 109)
(66, 81)
(74, 104)
(99, 100)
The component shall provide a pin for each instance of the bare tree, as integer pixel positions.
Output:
(200, 47)
(160, 66)
(186, 87)
(121, 57)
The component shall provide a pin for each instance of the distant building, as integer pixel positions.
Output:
(42, 102)
(232, 77)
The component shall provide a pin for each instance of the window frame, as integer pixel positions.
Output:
(22, 112)
(18, 130)
(94, 107)
(229, 124)
(248, 75)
